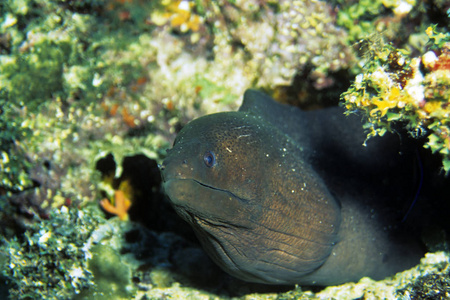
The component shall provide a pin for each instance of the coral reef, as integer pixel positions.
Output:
(119, 206)
(429, 286)
(301, 32)
(179, 14)
(373, 16)
(50, 260)
(83, 79)
(83, 256)
(397, 287)
(135, 77)
(396, 87)
(398, 21)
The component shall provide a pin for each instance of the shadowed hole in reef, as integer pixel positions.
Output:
(141, 181)
(186, 260)
(430, 207)
(188, 263)
(306, 92)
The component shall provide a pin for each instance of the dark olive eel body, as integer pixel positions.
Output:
(278, 195)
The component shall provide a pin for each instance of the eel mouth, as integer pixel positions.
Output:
(221, 190)
(204, 185)
(176, 182)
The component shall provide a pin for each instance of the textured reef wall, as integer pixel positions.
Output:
(93, 92)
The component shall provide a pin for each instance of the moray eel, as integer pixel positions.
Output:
(278, 195)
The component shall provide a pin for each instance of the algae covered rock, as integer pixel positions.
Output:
(50, 260)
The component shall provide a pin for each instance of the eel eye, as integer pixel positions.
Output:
(209, 158)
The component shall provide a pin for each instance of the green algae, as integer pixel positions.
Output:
(364, 18)
(363, 11)
(49, 260)
(36, 52)
(13, 165)
(111, 275)
(40, 52)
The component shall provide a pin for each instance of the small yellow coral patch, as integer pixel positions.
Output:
(119, 206)
(179, 13)
(383, 105)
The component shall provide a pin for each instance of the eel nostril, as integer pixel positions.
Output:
(161, 167)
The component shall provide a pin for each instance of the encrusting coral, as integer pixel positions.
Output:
(119, 206)
(396, 87)
(179, 14)
(50, 261)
